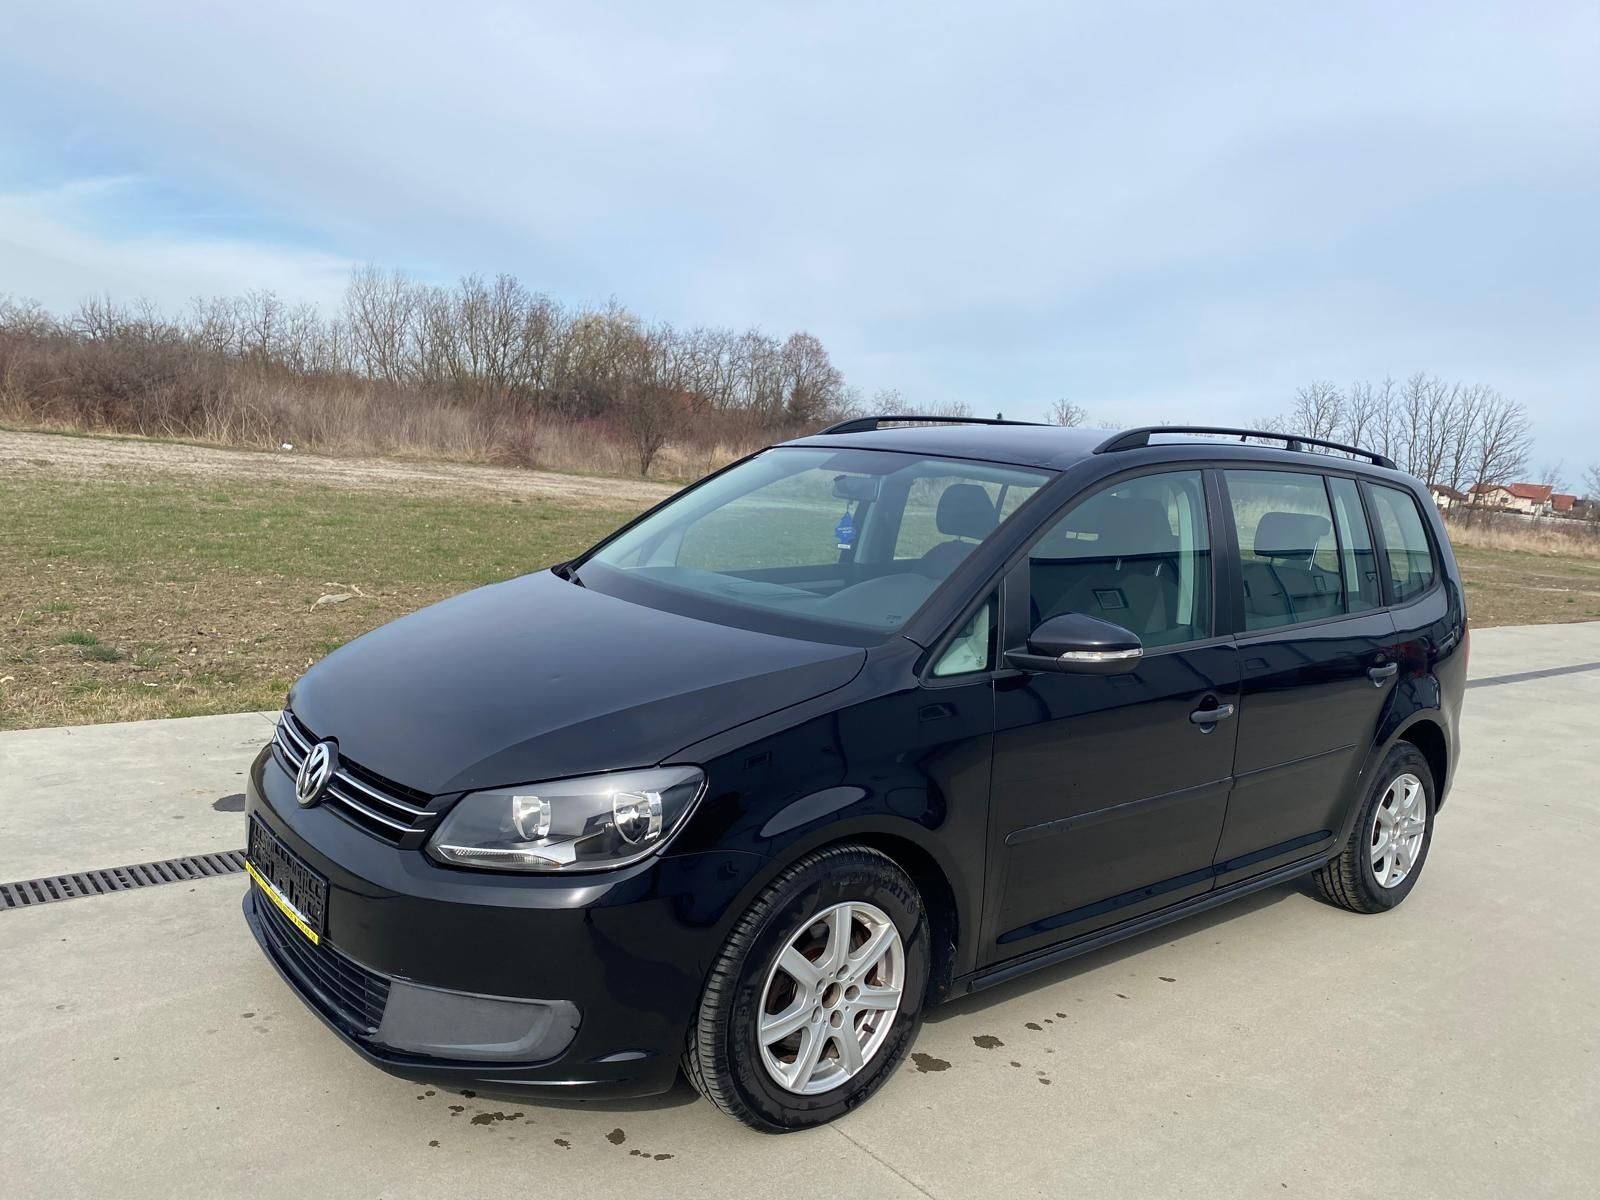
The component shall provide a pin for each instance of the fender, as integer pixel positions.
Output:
(1416, 699)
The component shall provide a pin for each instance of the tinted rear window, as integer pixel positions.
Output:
(1405, 541)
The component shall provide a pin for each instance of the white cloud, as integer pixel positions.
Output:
(1158, 210)
(54, 249)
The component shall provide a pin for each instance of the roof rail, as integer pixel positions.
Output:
(1132, 439)
(868, 424)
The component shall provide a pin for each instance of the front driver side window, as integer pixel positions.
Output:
(1137, 554)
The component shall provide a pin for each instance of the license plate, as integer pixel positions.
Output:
(298, 892)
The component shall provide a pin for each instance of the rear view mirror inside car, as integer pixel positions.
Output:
(856, 487)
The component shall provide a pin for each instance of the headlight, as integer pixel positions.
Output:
(579, 824)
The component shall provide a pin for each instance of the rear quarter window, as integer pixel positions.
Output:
(1412, 568)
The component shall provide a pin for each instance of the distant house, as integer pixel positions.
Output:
(1446, 497)
(1530, 498)
(1562, 504)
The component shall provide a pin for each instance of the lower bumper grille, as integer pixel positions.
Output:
(349, 993)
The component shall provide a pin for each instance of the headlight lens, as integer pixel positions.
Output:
(588, 823)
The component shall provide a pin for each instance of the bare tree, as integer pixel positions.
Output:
(1462, 423)
(1591, 481)
(381, 311)
(947, 408)
(252, 366)
(1360, 413)
(1500, 444)
(1431, 410)
(1551, 475)
(647, 419)
(1065, 412)
(1318, 410)
(812, 385)
(1388, 435)
(1272, 424)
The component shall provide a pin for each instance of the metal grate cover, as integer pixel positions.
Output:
(48, 890)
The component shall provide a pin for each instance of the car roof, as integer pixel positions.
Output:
(1054, 447)
(1050, 446)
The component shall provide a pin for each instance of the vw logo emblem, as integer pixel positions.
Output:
(315, 772)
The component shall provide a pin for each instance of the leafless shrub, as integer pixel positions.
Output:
(484, 369)
(1508, 531)
(1065, 412)
(1455, 434)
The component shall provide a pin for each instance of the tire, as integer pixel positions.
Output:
(842, 895)
(1361, 879)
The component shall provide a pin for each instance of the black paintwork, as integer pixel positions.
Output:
(1041, 813)
(537, 678)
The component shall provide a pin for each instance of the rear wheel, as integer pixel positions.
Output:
(1379, 865)
(817, 995)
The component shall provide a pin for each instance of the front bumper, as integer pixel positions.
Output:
(515, 981)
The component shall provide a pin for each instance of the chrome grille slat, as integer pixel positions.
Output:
(366, 806)
(301, 744)
(350, 802)
(410, 810)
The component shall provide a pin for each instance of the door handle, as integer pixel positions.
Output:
(1379, 674)
(1210, 716)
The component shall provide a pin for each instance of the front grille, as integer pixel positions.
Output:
(369, 802)
(340, 986)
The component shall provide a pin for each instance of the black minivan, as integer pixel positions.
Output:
(867, 720)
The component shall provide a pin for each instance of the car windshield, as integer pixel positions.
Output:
(844, 540)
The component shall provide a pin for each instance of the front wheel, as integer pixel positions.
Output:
(1380, 863)
(817, 994)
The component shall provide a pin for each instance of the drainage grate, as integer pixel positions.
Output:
(118, 879)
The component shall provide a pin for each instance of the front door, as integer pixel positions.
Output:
(1108, 792)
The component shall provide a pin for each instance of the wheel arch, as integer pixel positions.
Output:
(907, 845)
(1428, 736)
(938, 899)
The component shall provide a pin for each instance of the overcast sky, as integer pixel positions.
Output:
(1175, 212)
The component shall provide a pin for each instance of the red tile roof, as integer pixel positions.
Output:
(1536, 492)
(1562, 502)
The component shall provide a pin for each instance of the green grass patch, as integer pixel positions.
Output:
(202, 599)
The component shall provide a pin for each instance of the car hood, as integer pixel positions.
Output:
(538, 678)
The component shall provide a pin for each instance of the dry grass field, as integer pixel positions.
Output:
(144, 579)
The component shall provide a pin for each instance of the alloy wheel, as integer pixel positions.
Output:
(1398, 823)
(831, 998)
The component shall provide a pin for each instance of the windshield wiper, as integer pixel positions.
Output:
(564, 570)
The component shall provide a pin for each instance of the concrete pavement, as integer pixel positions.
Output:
(1276, 1047)
(85, 796)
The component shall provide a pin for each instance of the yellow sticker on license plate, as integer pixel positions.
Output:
(296, 917)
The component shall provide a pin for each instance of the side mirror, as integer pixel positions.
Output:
(1079, 645)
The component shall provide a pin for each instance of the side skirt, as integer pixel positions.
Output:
(1007, 971)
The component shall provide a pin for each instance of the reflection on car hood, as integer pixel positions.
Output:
(538, 678)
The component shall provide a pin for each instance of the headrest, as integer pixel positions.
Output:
(1290, 535)
(965, 510)
(1132, 527)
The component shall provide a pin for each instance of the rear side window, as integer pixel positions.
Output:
(1288, 555)
(1405, 542)
(1361, 590)
(1136, 554)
